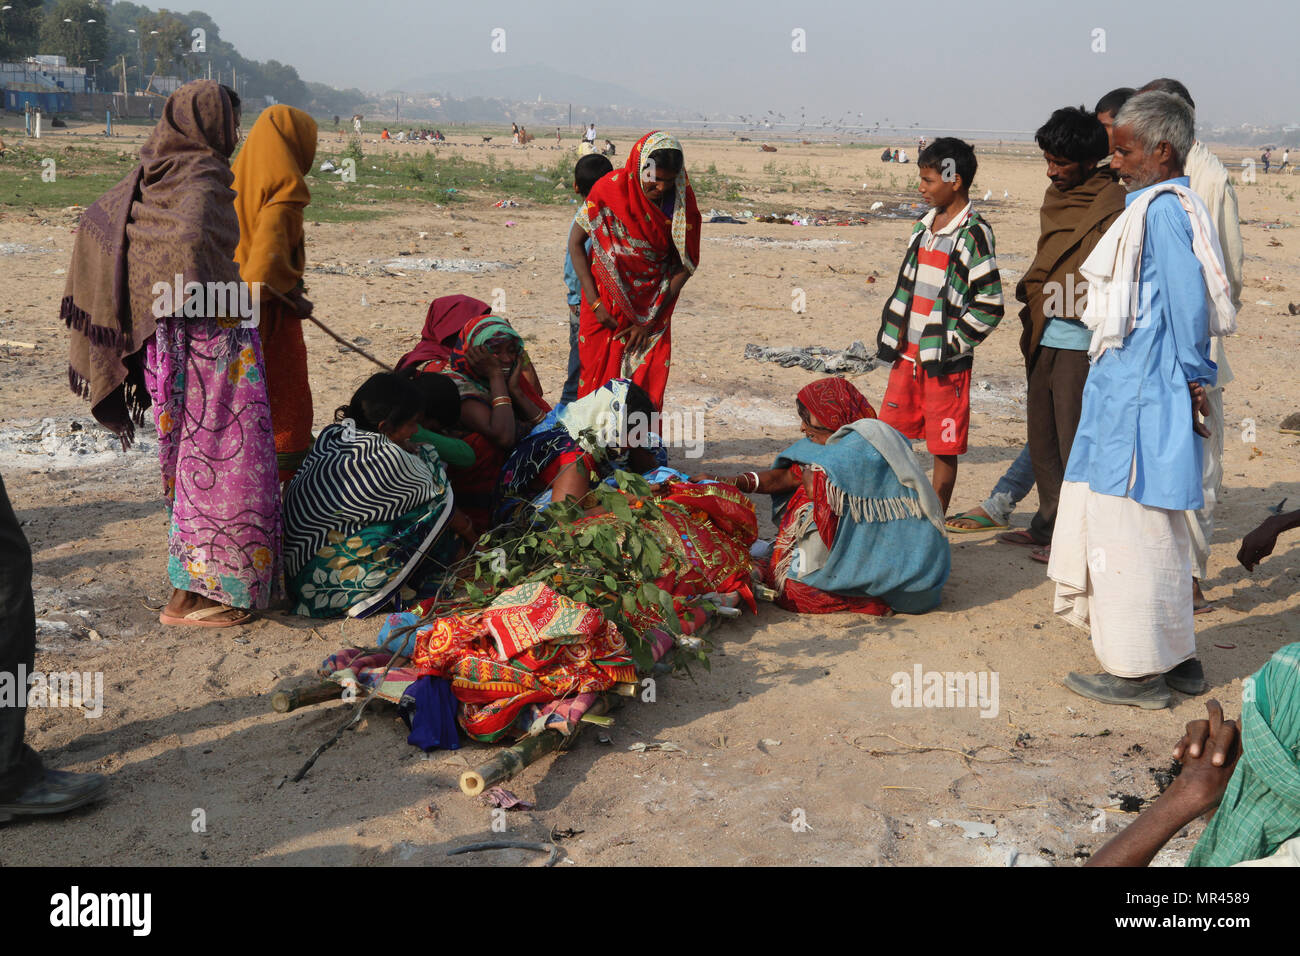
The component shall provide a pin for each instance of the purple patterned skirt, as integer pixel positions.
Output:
(217, 450)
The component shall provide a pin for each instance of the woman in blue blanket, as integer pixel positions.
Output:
(580, 443)
(367, 507)
(859, 525)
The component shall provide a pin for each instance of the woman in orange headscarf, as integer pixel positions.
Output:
(271, 195)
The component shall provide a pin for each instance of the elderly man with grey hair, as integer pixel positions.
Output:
(1211, 182)
(1157, 290)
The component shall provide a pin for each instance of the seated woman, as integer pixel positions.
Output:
(501, 398)
(578, 443)
(366, 507)
(859, 525)
(440, 418)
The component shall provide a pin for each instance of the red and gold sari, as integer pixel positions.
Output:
(635, 247)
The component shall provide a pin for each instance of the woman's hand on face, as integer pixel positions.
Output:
(483, 360)
(516, 371)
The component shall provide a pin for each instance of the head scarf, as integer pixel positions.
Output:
(1260, 809)
(835, 402)
(634, 245)
(446, 317)
(269, 173)
(173, 215)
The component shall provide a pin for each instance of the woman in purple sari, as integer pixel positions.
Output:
(148, 305)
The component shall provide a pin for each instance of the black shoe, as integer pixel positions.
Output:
(1149, 693)
(1187, 678)
(56, 792)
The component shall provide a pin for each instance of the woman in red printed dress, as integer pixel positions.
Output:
(644, 228)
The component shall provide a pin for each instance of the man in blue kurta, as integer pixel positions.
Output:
(1121, 552)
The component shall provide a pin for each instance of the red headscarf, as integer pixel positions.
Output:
(634, 245)
(447, 315)
(835, 402)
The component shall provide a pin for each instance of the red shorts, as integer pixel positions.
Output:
(921, 406)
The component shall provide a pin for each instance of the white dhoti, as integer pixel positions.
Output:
(1123, 571)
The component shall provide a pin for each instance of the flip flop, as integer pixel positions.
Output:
(200, 617)
(1205, 608)
(1022, 539)
(984, 521)
(1042, 554)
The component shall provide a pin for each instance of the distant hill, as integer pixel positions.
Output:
(525, 83)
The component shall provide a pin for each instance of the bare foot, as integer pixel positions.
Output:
(1200, 604)
(186, 602)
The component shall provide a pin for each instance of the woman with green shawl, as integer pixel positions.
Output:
(500, 401)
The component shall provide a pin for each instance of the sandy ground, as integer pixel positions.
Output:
(783, 728)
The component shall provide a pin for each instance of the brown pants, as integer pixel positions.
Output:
(1055, 403)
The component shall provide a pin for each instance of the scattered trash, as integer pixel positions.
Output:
(1263, 302)
(503, 798)
(505, 204)
(1226, 647)
(663, 745)
(855, 360)
(770, 742)
(446, 265)
(327, 167)
(509, 223)
(971, 830)
(21, 249)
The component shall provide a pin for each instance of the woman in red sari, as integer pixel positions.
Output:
(644, 228)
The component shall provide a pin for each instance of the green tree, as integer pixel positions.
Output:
(20, 29)
(164, 37)
(76, 29)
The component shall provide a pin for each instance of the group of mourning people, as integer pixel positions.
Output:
(372, 512)
(375, 511)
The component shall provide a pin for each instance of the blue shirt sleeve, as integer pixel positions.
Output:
(571, 280)
(1182, 285)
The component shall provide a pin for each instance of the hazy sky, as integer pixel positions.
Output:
(979, 64)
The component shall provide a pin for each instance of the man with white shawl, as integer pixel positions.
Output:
(1121, 553)
(1211, 182)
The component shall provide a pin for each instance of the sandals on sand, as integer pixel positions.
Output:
(1043, 555)
(200, 617)
(983, 523)
(1020, 538)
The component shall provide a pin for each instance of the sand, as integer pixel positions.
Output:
(792, 750)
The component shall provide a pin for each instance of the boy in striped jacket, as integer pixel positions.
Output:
(948, 298)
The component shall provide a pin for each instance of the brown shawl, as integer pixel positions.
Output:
(1072, 224)
(172, 215)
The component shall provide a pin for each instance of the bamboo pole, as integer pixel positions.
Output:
(511, 760)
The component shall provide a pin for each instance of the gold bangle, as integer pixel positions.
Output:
(501, 400)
